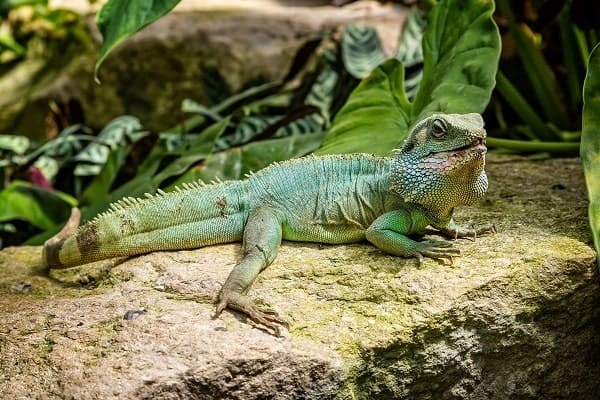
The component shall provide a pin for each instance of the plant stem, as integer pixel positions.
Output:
(567, 149)
(518, 103)
(539, 73)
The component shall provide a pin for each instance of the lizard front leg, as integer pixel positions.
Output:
(389, 233)
(262, 238)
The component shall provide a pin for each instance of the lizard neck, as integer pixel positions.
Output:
(436, 186)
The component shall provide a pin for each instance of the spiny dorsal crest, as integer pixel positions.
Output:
(128, 202)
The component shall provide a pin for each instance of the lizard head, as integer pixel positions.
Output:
(441, 163)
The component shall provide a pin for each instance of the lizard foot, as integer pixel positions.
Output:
(243, 304)
(436, 249)
(461, 232)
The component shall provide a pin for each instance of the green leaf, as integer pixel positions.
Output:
(8, 41)
(410, 51)
(102, 182)
(461, 49)
(590, 142)
(322, 92)
(245, 130)
(117, 133)
(375, 117)
(118, 20)
(41, 208)
(361, 50)
(190, 106)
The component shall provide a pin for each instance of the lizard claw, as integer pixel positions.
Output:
(437, 249)
(238, 302)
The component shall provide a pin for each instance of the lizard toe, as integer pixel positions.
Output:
(240, 303)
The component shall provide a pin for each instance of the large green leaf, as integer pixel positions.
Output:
(118, 20)
(461, 48)
(590, 142)
(40, 207)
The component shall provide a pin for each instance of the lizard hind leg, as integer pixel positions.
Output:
(262, 238)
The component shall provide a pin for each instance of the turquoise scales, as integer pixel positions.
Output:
(330, 199)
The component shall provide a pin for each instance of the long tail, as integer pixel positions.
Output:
(196, 216)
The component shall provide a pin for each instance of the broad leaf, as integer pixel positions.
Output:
(40, 207)
(590, 142)
(461, 48)
(118, 20)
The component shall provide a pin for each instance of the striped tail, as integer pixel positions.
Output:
(195, 216)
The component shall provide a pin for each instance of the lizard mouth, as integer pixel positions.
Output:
(475, 147)
(477, 144)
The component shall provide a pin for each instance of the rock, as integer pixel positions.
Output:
(205, 54)
(515, 317)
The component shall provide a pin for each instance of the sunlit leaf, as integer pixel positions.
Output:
(118, 20)
(14, 143)
(461, 49)
(590, 142)
(40, 207)
(7, 41)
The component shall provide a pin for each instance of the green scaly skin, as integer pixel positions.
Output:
(330, 199)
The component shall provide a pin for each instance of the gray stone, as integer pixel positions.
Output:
(515, 317)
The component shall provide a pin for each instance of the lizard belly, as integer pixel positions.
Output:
(342, 217)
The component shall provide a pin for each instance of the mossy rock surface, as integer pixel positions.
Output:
(515, 317)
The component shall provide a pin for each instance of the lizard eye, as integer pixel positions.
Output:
(438, 128)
